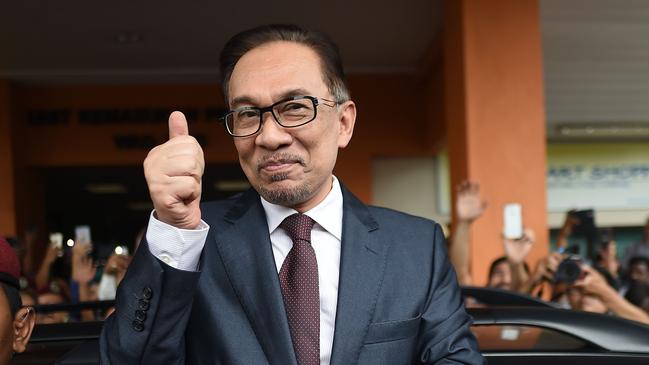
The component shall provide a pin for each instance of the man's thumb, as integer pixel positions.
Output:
(177, 125)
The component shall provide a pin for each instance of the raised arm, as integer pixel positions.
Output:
(516, 252)
(468, 208)
(154, 299)
(594, 283)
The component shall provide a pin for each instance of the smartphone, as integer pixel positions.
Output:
(82, 235)
(56, 240)
(513, 221)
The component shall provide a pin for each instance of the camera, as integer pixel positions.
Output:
(569, 270)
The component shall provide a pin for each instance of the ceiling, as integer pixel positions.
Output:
(596, 60)
(124, 41)
(596, 52)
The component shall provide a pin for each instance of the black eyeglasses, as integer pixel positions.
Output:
(289, 113)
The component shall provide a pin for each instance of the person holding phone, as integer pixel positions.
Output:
(54, 252)
(296, 270)
(508, 272)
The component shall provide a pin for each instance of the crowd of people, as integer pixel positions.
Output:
(67, 274)
(603, 284)
(609, 283)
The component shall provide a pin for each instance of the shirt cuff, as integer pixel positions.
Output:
(178, 248)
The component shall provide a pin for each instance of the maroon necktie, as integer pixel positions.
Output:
(298, 278)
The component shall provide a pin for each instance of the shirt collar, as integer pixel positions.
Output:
(328, 213)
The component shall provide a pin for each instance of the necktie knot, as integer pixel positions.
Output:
(298, 227)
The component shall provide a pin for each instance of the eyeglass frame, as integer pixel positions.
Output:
(315, 100)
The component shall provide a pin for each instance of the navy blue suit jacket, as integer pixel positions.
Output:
(398, 298)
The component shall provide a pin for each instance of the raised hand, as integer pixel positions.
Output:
(53, 252)
(83, 269)
(468, 205)
(517, 250)
(592, 282)
(117, 265)
(173, 172)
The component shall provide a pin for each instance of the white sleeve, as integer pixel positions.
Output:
(107, 287)
(178, 248)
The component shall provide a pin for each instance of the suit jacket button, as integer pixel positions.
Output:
(143, 304)
(140, 316)
(147, 293)
(137, 326)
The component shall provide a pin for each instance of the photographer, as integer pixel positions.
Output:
(592, 284)
(468, 207)
(43, 274)
(543, 275)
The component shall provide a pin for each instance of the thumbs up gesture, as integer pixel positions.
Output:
(173, 172)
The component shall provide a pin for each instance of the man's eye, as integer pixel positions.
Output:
(295, 106)
(247, 114)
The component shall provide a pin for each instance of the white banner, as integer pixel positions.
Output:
(600, 176)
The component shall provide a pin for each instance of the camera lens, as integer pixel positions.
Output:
(568, 271)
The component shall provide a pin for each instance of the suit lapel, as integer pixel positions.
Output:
(244, 245)
(362, 263)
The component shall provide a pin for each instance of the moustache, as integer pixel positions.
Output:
(279, 158)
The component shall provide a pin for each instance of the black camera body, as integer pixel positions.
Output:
(569, 270)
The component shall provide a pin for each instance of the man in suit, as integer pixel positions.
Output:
(296, 270)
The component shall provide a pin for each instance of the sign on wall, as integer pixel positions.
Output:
(600, 176)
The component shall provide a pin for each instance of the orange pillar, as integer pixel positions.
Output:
(495, 116)
(7, 201)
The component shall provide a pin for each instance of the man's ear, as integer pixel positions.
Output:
(23, 326)
(347, 118)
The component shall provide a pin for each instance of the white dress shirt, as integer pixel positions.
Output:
(181, 249)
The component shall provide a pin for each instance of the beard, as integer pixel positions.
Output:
(287, 197)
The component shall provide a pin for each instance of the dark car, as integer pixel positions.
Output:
(511, 329)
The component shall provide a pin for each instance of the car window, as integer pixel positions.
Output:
(517, 337)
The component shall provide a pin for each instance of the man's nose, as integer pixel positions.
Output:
(272, 135)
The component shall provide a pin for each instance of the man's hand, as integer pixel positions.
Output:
(51, 254)
(173, 172)
(117, 265)
(547, 266)
(468, 205)
(593, 282)
(517, 250)
(83, 269)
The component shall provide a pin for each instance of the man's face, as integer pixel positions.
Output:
(501, 277)
(639, 273)
(15, 331)
(288, 166)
